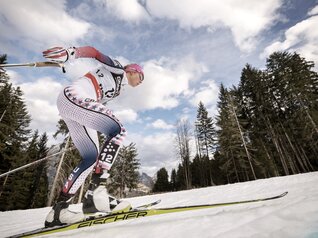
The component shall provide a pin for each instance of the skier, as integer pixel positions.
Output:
(82, 105)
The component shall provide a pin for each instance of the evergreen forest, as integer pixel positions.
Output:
(266, 126)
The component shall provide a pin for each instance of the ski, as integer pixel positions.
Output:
(38, 232)
(147, 205)
(138, 212)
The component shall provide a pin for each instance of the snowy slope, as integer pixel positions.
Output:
(295, 215)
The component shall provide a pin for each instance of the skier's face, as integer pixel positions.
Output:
(134, 78)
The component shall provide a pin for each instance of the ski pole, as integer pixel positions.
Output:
(33, 163)
(35, 64)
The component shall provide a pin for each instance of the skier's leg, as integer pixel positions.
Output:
(78, 111)
(94, 115)
(87, 143)
(96, 198)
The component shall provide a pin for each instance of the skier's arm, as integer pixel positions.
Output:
(61, 55)
(91, 52)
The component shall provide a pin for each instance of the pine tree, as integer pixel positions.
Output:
(279, 105)
(181, 178)
(14, 133)
(196, 172)
(252, 90)
(5, 100)
(206, 143)
(227, 138)
(235, 162)
(124, 172)
(25, 193)
(205, 131)
(294, 93)
(39, 188)
(162, 183)
(15, 119)
(174, 180)
(218, 175)
(61, 128)
(240, 119)
(12, 155)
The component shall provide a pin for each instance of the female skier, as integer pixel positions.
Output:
(82, 105)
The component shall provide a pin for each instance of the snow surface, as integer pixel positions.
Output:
(295, 215)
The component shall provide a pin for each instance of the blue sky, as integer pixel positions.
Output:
(187, 48)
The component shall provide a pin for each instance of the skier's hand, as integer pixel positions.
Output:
(56, 54)
(59, 54)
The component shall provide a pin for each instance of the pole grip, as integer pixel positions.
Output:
(34, 64)
(48, 64)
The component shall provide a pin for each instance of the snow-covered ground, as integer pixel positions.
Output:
(295, 215)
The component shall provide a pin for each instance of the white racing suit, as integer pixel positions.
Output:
(82, 107)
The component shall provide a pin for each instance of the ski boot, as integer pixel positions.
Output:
(97, 200)
(61, 215)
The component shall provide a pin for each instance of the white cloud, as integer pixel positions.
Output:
(128, 10)
(155, 151)
(207, 94)
(166, 80)
(43, 113)
(161, 124)
(14, 76)
(40, 98)
(302, 37)
(43, 89)
(313, 11)
(126, 115)
(38, 24)
(246, 19)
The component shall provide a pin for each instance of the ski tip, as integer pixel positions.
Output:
(283, 194)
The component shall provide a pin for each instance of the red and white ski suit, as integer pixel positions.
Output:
(82, 107)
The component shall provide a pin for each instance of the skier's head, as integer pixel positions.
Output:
(135, 74)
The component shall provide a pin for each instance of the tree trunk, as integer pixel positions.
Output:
(276, 144)
(243, 140)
